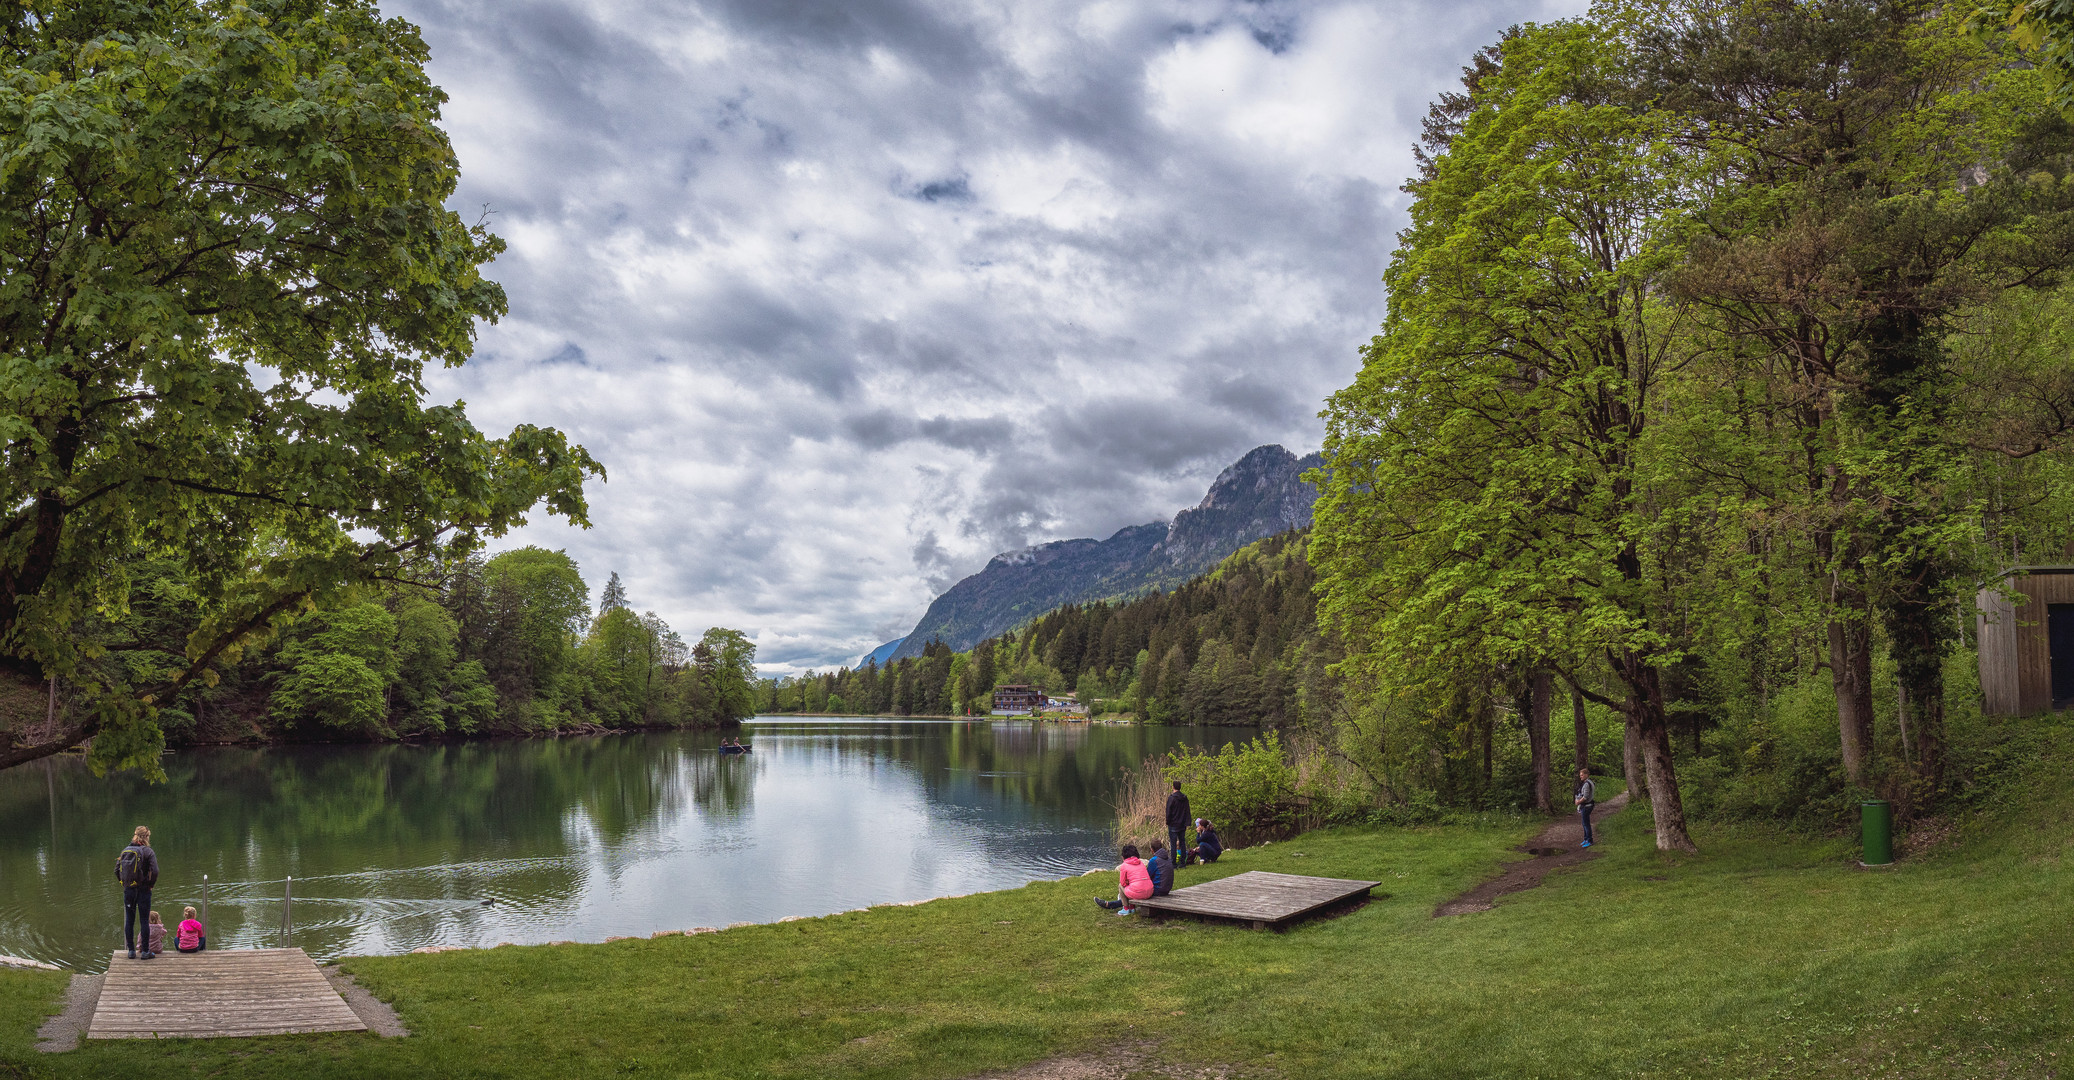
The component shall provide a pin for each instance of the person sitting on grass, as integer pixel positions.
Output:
(1161, 867)
(1133, 882)
(190, 937)
(1207, 846)
(155, 936)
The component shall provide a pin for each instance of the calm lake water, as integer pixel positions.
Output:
(395, 847)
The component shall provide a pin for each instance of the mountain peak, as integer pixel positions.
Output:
(1259, 495)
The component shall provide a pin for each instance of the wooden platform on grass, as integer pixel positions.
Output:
(1258, 897)
(208, 995)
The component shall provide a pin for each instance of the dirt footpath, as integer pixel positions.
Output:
(1556, 847)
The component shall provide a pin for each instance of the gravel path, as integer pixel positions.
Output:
(63, 1031)
(372, 1011)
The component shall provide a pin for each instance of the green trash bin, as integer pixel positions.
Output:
(1878, 818)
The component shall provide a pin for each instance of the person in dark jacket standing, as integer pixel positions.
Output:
(1178, 817)
(137, 869)
(1587, 797)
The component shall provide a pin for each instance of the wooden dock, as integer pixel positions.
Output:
(226, 994)
(1260, 898)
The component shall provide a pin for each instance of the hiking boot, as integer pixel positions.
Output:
(133, 954)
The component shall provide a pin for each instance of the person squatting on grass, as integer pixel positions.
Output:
(1161, 867)
(1178, 815)
(1585, 800)
(137, 869)
(1207, 846)
(191, 937)
(1133, 882)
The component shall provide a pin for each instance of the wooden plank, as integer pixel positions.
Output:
(229, 994)
(1259, 897)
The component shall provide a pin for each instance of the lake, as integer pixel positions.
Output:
(393, 847)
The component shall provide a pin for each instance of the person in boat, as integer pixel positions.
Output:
(1207, 845)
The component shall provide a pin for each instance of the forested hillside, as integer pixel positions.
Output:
(1259, 495)
(1238, 645)
(507, 645)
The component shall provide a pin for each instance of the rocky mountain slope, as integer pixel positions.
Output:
(1259, 495)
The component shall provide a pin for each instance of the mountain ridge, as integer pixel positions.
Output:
(1259, 495)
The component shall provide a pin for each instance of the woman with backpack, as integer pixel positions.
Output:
(137, 869)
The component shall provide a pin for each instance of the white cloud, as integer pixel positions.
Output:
(849, 295)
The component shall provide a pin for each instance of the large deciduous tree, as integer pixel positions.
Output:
(1491, 498)
(1870, 174)
(225, 260)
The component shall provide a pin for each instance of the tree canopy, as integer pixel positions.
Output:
(225, 261)
(1669, 367)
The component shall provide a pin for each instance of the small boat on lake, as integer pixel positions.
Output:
(735, 749)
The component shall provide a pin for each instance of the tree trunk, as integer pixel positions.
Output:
(1584, 734)
(1850, 672)
(1486, 727)
(1652, 735)
(1541, 694)
(1631, 763)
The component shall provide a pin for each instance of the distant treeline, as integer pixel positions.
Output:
(1238, 645)
(499, 646)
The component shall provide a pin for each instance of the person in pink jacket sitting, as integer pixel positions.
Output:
(1133, 882)
(190, 937)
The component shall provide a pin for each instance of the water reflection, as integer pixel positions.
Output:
(394, 847)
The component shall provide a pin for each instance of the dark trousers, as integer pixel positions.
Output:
(136, 916)
(1584, 814)
(1174, 838)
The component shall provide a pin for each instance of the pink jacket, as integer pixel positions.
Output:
(190, 934)
(1134, 880)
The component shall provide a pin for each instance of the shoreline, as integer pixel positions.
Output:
(996, 981)
(639, 729)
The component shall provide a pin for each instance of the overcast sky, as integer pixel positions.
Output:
(849, 295)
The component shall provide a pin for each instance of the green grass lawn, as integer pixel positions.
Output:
(1764, 956)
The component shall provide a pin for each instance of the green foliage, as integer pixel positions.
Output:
(336, 671)
(213, 358)
(1248, 789)
(726, 664)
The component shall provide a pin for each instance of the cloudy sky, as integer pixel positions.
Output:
(849, 295)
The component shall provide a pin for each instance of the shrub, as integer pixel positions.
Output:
(1249, 790)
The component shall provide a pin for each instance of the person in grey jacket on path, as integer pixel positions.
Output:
(1178, 818)
(1587, 794)
(137, 869)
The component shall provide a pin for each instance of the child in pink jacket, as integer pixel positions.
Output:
(1133, 882)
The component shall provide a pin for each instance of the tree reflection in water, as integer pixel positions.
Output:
(397, 846)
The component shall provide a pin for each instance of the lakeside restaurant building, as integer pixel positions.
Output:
(2027, 645)
(1017, 699)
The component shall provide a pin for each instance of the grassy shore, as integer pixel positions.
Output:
(1764, 956)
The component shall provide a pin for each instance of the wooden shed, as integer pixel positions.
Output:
(2027, 648)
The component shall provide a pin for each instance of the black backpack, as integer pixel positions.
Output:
(129, 866)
